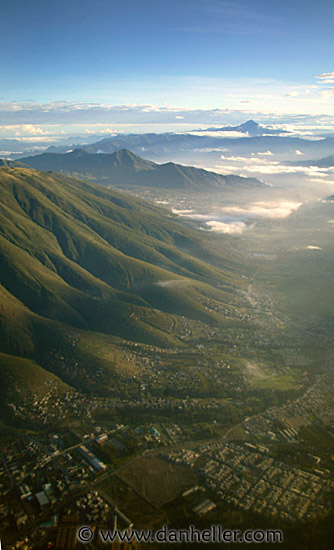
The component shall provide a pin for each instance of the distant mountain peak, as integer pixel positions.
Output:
(250, 127)
(250, 124)
(125, 155)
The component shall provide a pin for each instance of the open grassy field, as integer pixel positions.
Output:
(156, 480)
(281, 382)
(143, 514)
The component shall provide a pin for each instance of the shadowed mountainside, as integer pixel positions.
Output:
(77, 258)
(125, 168)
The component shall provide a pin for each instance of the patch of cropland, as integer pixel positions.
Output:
(125, 168)
(79, 260)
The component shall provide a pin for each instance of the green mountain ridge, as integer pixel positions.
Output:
(12, 163)
(124, 168)
(79, 258)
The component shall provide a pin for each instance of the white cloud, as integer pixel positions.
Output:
(20, 130)
(181, 212)
(232, 134)
(266, 153)
(171, 283)
(249, 160)
(200, 217)
(313, 247)
(33, 130)
(195, 100)
(263, 165)
(245, 160)
(101, 130)
(234, 220)
(234, 228)
(264, 209)
(326, 94)
(275, 168)
(326, 78)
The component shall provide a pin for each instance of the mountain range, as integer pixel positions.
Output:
(187, 148)
(125, 168)
(198, 149)
(326, 162)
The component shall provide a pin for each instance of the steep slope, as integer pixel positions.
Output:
(78, 259)
(22, 378)
(125, 168)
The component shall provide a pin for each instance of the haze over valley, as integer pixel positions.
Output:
(166, 274)
(143, 293)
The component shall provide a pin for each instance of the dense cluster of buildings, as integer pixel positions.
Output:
(246, 476)
(37, 474)
(74, 404)
(285, 421)
(250, 479)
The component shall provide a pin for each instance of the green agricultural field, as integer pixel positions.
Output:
(281, 382)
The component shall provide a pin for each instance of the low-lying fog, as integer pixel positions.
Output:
(282, 231)
(236, 218)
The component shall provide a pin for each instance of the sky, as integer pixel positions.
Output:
(104, 66)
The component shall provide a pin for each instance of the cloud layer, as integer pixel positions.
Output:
(233, 228)
(264, 209)
(235, 219)
(183, 102)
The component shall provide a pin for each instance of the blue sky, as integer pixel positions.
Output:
(135, 63)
